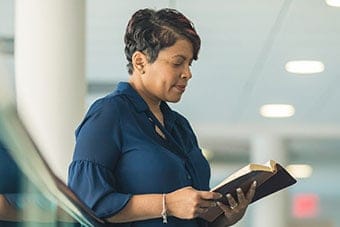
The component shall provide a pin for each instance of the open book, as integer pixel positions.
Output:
(271, 177)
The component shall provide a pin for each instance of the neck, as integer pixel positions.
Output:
(153, 104)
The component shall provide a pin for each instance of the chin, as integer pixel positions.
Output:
(174, 99)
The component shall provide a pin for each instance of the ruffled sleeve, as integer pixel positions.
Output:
(97, 151)
(95, 185)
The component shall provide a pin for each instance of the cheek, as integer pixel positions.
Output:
(164, 77)
(171, 76)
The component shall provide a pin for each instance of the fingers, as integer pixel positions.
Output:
(201, 210)
(203, 206)
(240, 195)
(234, 206)
(210, 195)
(223, 207)
(232, 202)
(188, 202)
(207, 199)
(242, 199)
(193, 202)
(251, 191)
(207, 203)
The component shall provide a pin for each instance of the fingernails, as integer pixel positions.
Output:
(255, 183)
(220, 196)
(229, 195)
(239, 190)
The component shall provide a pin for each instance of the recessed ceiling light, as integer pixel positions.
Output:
(304, 67)
(277, 110)
(300, 170)
(334, 3)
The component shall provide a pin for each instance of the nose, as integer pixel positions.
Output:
(186, 74)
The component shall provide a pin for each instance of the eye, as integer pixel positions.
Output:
(181, 62)
(178, 62)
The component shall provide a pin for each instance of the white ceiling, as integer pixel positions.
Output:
(245, 45)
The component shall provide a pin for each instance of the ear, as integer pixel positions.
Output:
(139, 61)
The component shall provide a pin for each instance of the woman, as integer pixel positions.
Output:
(136, 161)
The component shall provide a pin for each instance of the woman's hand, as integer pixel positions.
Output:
(235, 211)
(188, 203)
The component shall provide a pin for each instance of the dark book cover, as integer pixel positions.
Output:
(268, 182)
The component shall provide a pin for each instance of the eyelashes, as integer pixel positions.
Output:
(178, 64)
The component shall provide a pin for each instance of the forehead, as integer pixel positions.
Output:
(181, 48)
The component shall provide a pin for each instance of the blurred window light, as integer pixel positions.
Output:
(300, 170)
(277, 110)
(333, 3)
(304, 67)
(208, 154)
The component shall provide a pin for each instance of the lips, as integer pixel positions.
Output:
(181, 88)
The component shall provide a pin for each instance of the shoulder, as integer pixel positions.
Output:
(108, 103)
(112, 106)
(103, 113)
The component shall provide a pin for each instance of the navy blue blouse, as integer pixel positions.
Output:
(118, 154)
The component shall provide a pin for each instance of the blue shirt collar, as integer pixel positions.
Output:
(126, 89)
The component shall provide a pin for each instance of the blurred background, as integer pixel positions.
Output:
(255, 56)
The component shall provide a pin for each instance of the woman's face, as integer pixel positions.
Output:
(166, 78)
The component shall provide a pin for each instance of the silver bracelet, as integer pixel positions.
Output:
(164, 211)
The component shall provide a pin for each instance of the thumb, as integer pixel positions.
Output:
(210, 195)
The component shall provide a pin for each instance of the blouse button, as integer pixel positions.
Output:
(188, 177)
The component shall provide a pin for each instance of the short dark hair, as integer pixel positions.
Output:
(150, 31)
